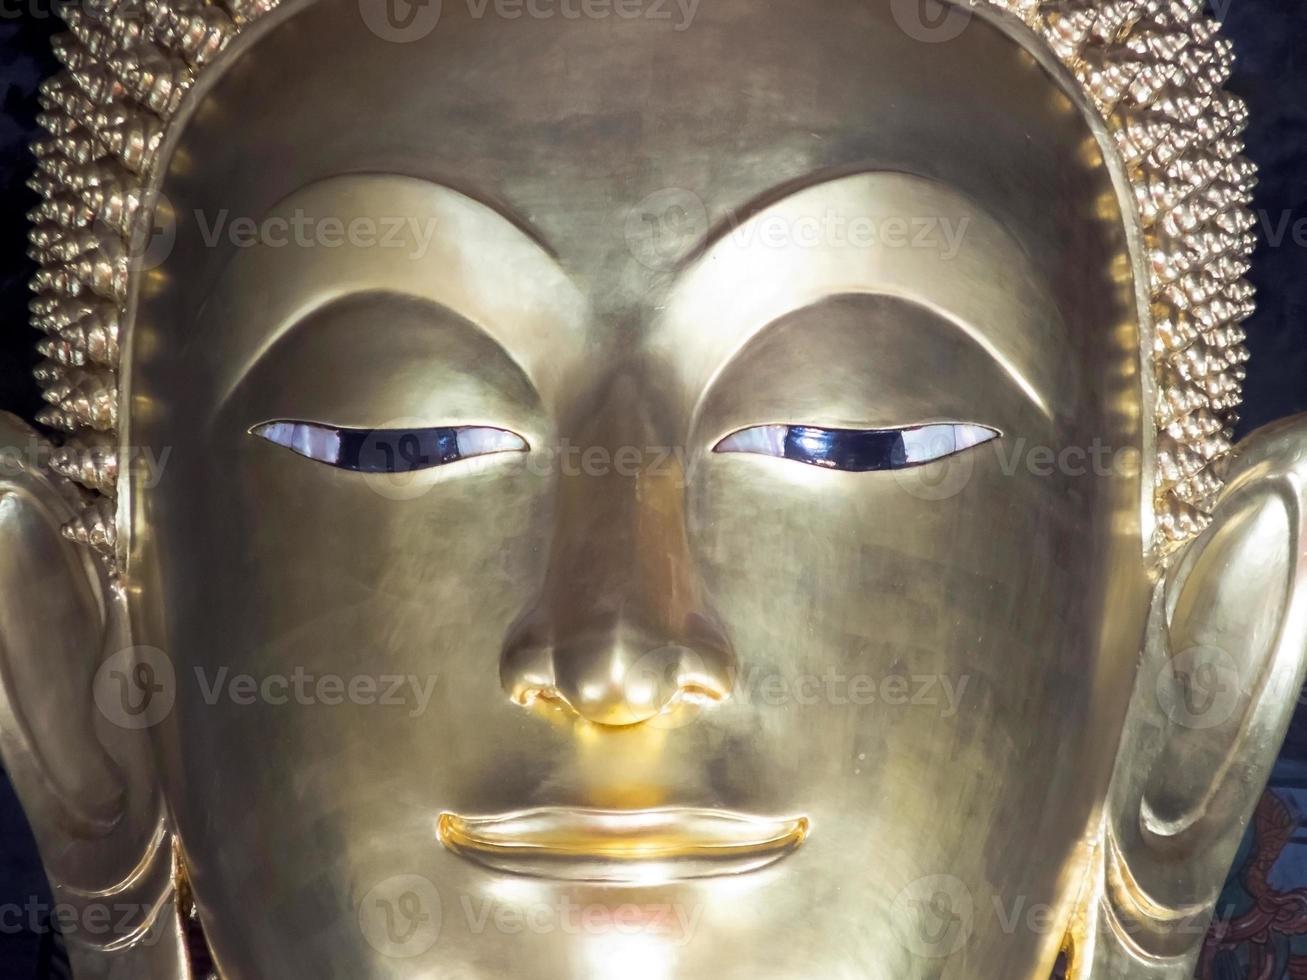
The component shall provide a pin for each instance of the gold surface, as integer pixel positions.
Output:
(936, 722)
(628, 846)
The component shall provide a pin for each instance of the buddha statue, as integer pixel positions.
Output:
(644, 490)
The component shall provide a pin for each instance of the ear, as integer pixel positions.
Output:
(84, 778)
(1222, 670)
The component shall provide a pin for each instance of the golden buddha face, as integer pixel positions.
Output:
(534, 457)
(641, 501)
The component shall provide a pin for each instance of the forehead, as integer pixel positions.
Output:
(620, 146)
(571, 123)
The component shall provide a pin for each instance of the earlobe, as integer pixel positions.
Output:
(53, 614)
(86, 783)
(1231, 678)
(1223, 664)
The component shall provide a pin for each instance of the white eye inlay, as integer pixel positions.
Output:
(858, 450)
(765, 440)
(388, 450)
(314, 441)
(475, 440)
(930, 442)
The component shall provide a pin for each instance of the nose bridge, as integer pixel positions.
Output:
(621, 626)
(621, 543)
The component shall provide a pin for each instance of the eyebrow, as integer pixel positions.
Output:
(741, 217)
(720, 281)
(545, 304)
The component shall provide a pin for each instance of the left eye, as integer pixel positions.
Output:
(858, 450)
(388, 450)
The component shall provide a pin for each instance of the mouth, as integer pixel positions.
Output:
(632, 846)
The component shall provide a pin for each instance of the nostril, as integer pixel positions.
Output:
(674, 671)
(614, 672)
(526, 667)
(617, 685)
(609, 683)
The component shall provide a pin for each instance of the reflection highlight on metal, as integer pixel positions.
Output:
(1088, 152)
(858, 450)
(631, 846)
(388, 450)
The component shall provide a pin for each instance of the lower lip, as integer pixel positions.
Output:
(631, 846)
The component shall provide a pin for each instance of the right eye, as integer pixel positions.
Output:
(858, 450)
(388, 450)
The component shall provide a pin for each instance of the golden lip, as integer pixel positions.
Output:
(622, 845)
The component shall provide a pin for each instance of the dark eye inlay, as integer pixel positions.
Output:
(388, 450)
(858, 450)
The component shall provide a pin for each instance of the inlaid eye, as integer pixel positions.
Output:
(858, 450)
(388, 450)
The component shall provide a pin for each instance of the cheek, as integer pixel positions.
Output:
(333, 573)
(980, 583)
(409, 560)
(946, 636)
(921, 556)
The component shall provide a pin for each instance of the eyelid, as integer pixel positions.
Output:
(859, 450)
(388, 450)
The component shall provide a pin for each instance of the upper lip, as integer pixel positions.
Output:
(622, 845)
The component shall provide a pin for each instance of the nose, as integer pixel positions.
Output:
(617, 671)
(621, 629)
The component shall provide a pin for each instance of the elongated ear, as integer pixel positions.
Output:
(1222, 670)
(83, 776)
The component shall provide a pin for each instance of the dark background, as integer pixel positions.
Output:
(1270, 38)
